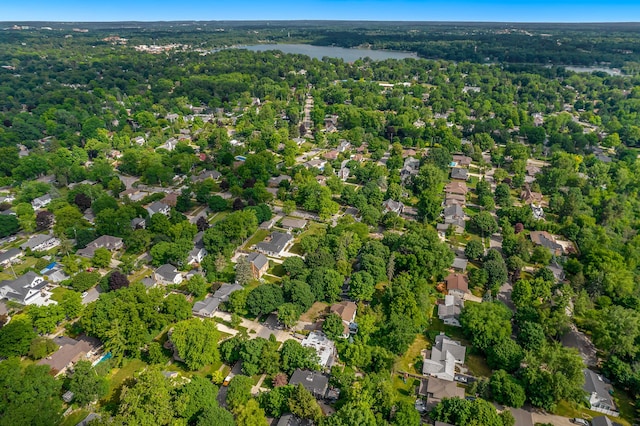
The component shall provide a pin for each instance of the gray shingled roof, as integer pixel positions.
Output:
(593, 383)
(258, 259)
(313, 381)
(277, 243)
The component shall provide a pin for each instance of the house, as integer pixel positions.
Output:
(543, 238)
(105, 241)
(275, 182)
(457, 284)
(139, 140)
(459, 173)
(347, 311)
(324, 347)
(313, 381)
(70, 352)
(171, 199)
(169, 145)
(41, 242)
(392, 206)
(602, 421)
(196, 255)
(331, 155)
(41, 202)
(530, 197)
(27, 289)
(343, 145)
(344, 173)
(599, 393)
(537, 211)
(454, 216)
(457, 199)
(87, 420)
(290, 223)
(138, 223)
(206, 174)
(10, 256)
(158, 207)
(410, 168)
(317, 163)
(167, 274)
(275, 244)
(456, 187)
(54, 272)
(437, 389)
(259, 264)
(461, 160)
(459, 264)
(291, 420)
(449, 309)
(207, 307)
(441, 360)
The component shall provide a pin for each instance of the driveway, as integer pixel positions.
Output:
(92, 296)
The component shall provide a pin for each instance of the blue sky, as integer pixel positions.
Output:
(402, 10)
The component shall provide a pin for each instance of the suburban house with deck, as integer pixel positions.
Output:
(436, 390)
(392, 206)
(28, 289)
(10, 256)
(599, 393)
(41, 242)
(105, 241)
(544, 239)
(41, 202)
(313, 381)
(259, 264)
(158, 207)
(207, 307)
(70, 352)
(347, 311)
(167, 274)
(275, 244)
(449, 309)
(457, 284)
(441, 360)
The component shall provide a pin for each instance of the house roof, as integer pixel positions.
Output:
(291, 420)
(462, 160)
(453, 210)
(392, 205)
(313, 381)
(594, 383)
(70, 351)
(444, 389)
(444, 344)
(20, 287)
(459, 173)
(167, 272)
(345, 309)
(104, 241)
(157, 207)
(258, 260)
(456, 281)
(290, 222)
(601, 421)
(225, 290)
(543, 238)
(35, 241)
(206, 307)
(456, 187)
(9, 254)
(459, 263)
(277, 242)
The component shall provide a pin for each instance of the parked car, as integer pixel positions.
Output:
(461, 379)
(582, 422)
(227, 380)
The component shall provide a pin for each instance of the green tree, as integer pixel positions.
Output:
(197, 285)
(303, 405)
(86, 384)
(294, 355)
(333, 326)
(486, 324)
(244, 274)
(196, 396)
(40, 347)
(101, 258)
(239, 392)
(71, 304)
(30, 394)
(148, 401)
(217, 416)
(361, 286)
(9, 225)
(484, 223)
(506, 390)
(250, 414)
(264, 299)
(474, 249)
(288, 314)
(196, 342)
(505, 355)
(406, 415)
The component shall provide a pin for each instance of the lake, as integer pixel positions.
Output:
(318, 52)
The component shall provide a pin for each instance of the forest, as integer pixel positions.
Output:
(157, 177)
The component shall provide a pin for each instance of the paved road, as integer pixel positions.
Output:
(92, 296)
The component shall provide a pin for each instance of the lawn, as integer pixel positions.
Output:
(217, 217)
(406, 361)
(571, 409)
(477, 365)
(625, 404)
(74, 418)
(139, 275)
(260, 235)
(314, 312)
(314, 228)
(58, 293)
(117, 378)
(277, 270)
(296, 249)
(405, 390)
(19, 269)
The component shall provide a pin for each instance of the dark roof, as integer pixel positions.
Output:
(167, 271)
(9, 254)
(601, 421)
(259, 260)
(453, 210)
(457, 173)
(594, 383)
(225, 290)
(277, 242)
(157, 207)
(19, 288)
(291, 420)
(206, 307)
(313, 381)
(104, 241)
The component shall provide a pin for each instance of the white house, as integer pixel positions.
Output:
(167, 274)
(41, 202)
(443, 357)
(41, 242)
(158, 207)
(28, 289)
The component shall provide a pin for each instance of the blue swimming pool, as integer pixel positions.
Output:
(103, 358)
